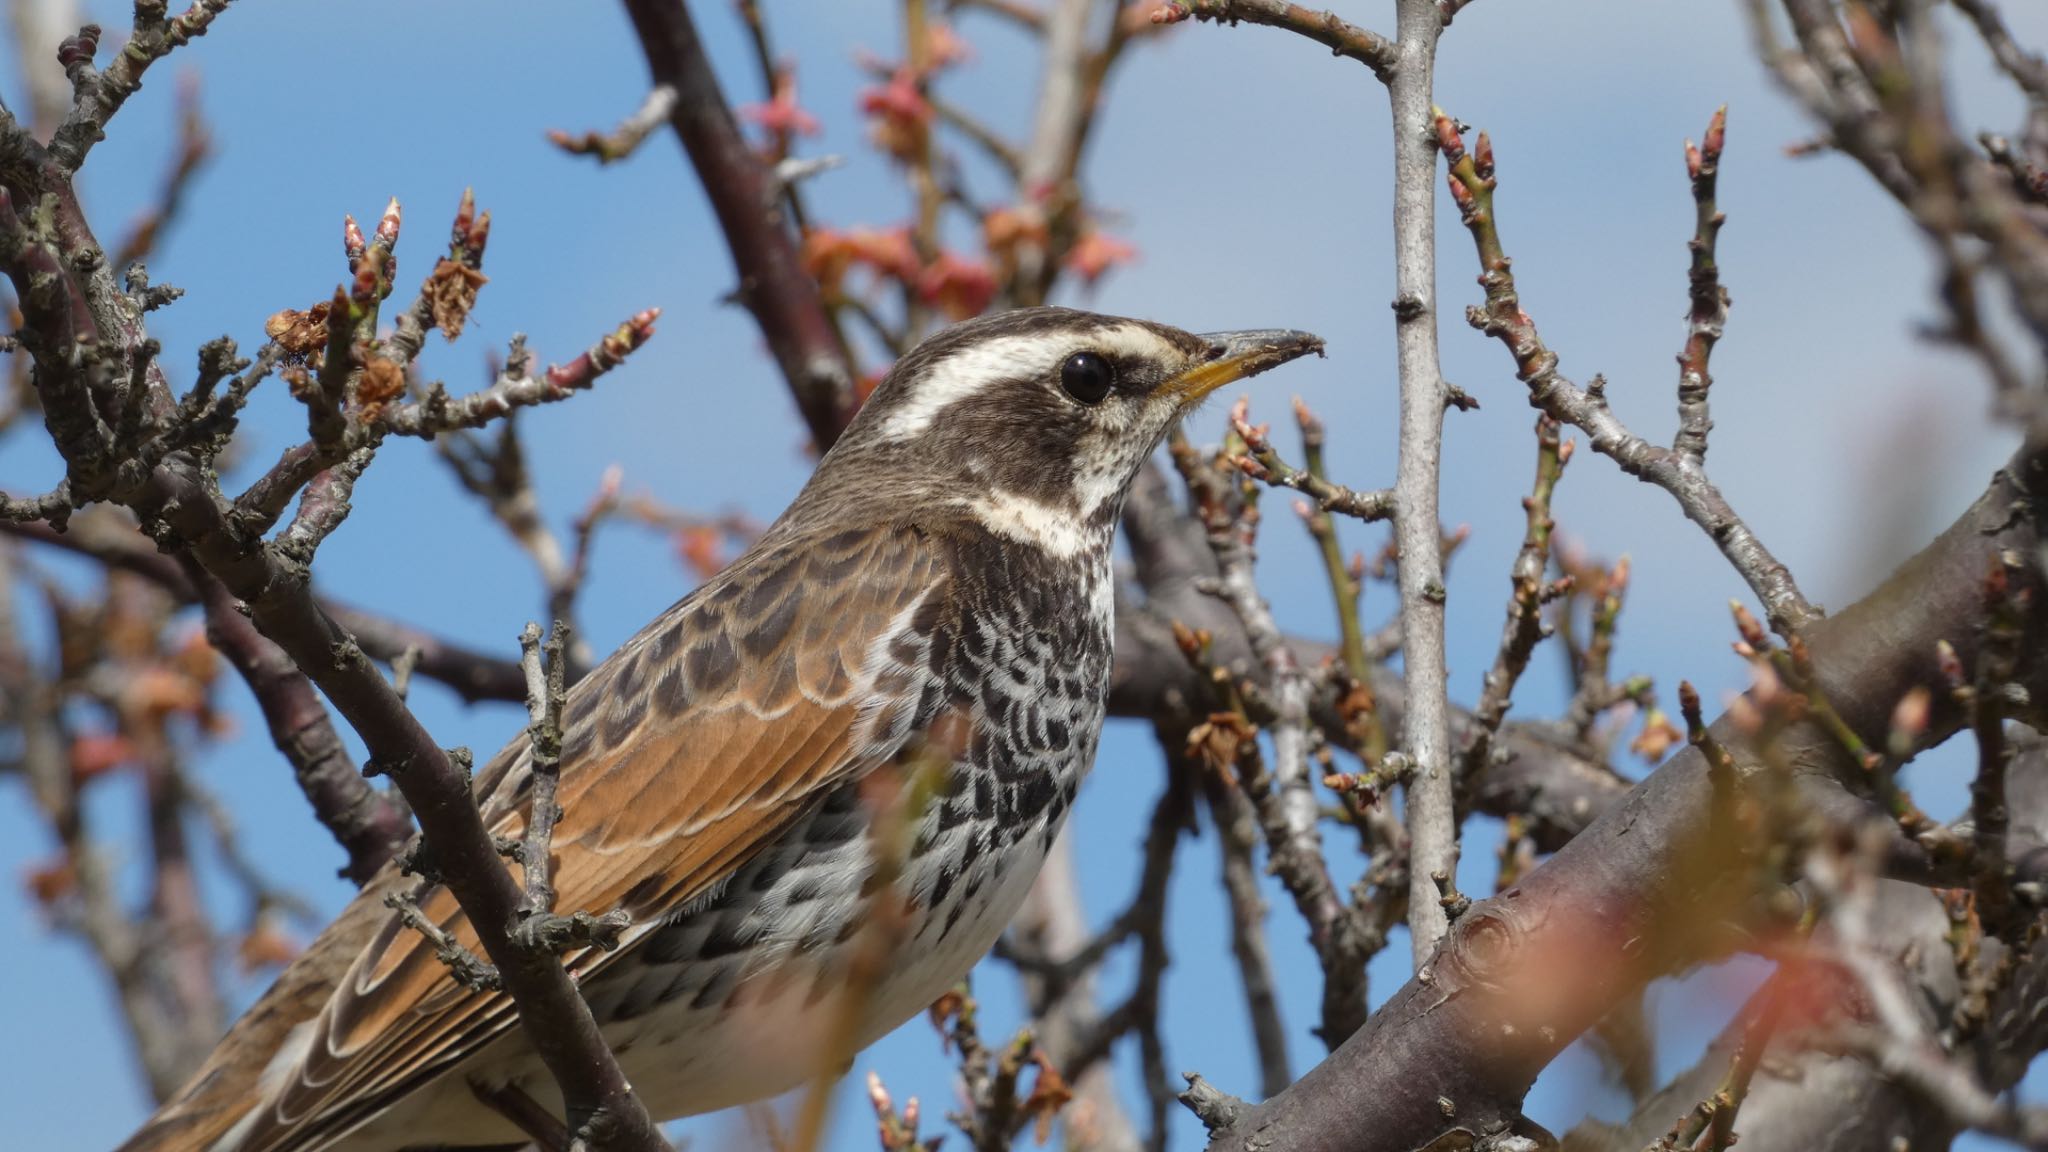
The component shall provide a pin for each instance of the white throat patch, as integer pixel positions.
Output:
(1058, 531)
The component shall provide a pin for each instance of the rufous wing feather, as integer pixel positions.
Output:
(687, 751)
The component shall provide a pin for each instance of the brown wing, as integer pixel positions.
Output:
(684, 753)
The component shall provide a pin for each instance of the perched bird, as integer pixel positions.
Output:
(819, 785)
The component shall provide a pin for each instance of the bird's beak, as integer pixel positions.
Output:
(1232, 356)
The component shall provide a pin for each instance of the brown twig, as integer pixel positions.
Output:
(622, 141)
(2027, 69)
(472, 675)
(1263, 464)
(97, 95)
(1708, 316)
(1287, 806)
(1236, 837)
(518, 386)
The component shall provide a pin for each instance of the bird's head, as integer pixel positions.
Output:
(1038, 419)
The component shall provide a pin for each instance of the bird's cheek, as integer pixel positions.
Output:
(1160, 415)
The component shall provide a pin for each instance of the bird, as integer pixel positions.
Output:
(817, 787)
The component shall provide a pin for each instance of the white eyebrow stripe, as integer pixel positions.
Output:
(1130, 340)
(970, 369)
(966, 372)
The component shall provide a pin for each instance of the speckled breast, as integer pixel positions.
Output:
(802, 951)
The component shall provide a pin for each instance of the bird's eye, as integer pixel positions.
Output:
(1087, 377)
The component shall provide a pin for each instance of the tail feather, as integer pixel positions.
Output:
(207, 1114)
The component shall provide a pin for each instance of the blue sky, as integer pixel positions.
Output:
(1251, 170)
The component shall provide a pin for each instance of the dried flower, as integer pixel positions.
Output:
(1659, 736)
(1095, 253)
(451, 291)
(959, 287)
(299, 333)
(382, 381)
(899, 115)
(781, 117)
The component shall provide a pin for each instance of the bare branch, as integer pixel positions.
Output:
(367, 825)
(471, 674)
(1525, 627)
(97, 95)
(622, 141)
(1709, 313)
(2027, 69)
(1286, 801)
(1376, 52)
(774, 287)
(1263, 464)
(1495, 978)
(1472, 184)
(518, 387)
(1425, 732)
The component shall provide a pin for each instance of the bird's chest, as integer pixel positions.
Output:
(910, 873)
(1027, 662)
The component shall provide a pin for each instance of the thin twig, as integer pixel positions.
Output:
(1288, 810)
(1472, 186)
(1263, 464)
(622, 141)
(1708, 315)
(1525, 627)
(1236, 836)
(518, 387)
(1376, 52)
(96, 95)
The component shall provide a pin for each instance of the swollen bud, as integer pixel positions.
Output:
(1447, 139)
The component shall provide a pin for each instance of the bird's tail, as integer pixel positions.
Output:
(212, 1109)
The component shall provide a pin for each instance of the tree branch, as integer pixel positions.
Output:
(1524, 973)
(176, 493)
(364, 821)
(1425, 732)
(472, 675)
(773, 286)
(1677, 471)
(1376, 52)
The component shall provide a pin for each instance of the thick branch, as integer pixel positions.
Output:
(1524, 973)
(1811, 1097)
(773, 286)
(364, 821)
